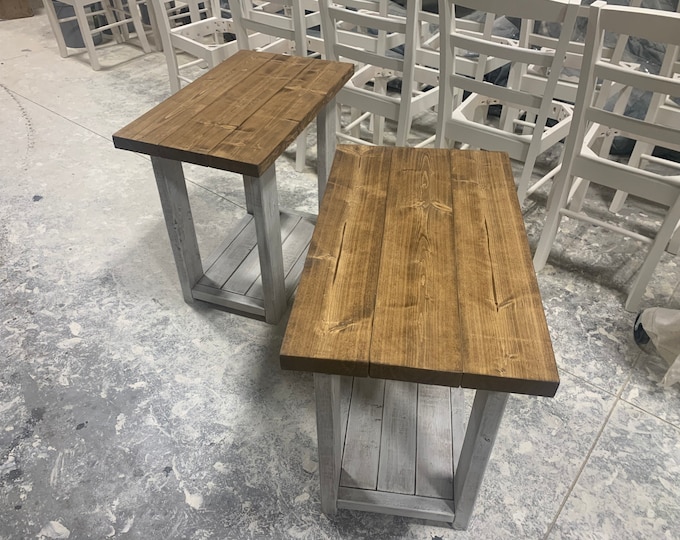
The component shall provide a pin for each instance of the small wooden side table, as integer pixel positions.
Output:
(418, 282)
(240, 117)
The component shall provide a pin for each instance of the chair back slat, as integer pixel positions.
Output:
(549, 11)
(642, 23)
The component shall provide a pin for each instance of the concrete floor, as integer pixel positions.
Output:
(126, 413)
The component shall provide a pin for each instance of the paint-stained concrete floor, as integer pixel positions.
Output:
(126, 413)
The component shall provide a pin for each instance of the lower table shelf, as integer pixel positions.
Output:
(232, 277)
(398, 454)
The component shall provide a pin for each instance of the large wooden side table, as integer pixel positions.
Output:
(240, 117)
(418, 283)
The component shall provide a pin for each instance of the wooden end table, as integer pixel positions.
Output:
(240, 117)
(418, 283)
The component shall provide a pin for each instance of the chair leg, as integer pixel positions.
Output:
(556, 201)
(529, 163)
(157, 39)
(674, 245)
(81, 17)
(107, 5)
(577, 195)
(653, 256)
(618, 201)
(173, 67)
(136, 15)
(56, 29)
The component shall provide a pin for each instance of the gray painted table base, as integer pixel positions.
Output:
(237, 277)
(417, 485)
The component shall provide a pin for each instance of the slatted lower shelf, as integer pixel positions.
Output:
(398, 454)
(232, 277)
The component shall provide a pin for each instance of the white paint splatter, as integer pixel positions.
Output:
(9, 404)
(183, 408)
(309, 464)
(54, 529)
(609, 335)
(75, 328)
(111, 533)
(195, 500)
(138, 385)
(69, 343)
(525, 447)
(120, 422)
(183, 379)
(63, 380)
(220, 467)
(128, 525)
(303, 497)
(8, 466)
(57, 469)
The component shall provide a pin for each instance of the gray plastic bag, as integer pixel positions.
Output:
(662, 327)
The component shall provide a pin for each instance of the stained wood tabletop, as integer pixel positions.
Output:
(419, 270)
(241, 115)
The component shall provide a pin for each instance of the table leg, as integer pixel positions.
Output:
(263, 201)
(326, 142)
(485, 418)
(457, 423)
(179, 222)
(328, 422)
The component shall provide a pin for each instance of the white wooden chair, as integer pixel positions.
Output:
(195, 29)
(428, 43)
(288, 26)
(535, 78)
(523, 129)
(117, 17)
(366, 33)
(662, 110)
(290, 22)
(467, 62)
(581, 159)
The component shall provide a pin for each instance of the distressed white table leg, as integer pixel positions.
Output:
(326, 142)
(249, 202)
(457, 423)
(263, 199)
(301, 150)
(179, 222)
(485, 418)
(327, 389)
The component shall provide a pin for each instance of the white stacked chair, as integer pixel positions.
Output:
(288, 26)
(117, 17)
(366, 33)
(662, 110)
(592, 122)
(523, 129)
(289, 22)
(193, 36)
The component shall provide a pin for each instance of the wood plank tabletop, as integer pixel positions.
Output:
(241, 115)
(419, 270)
